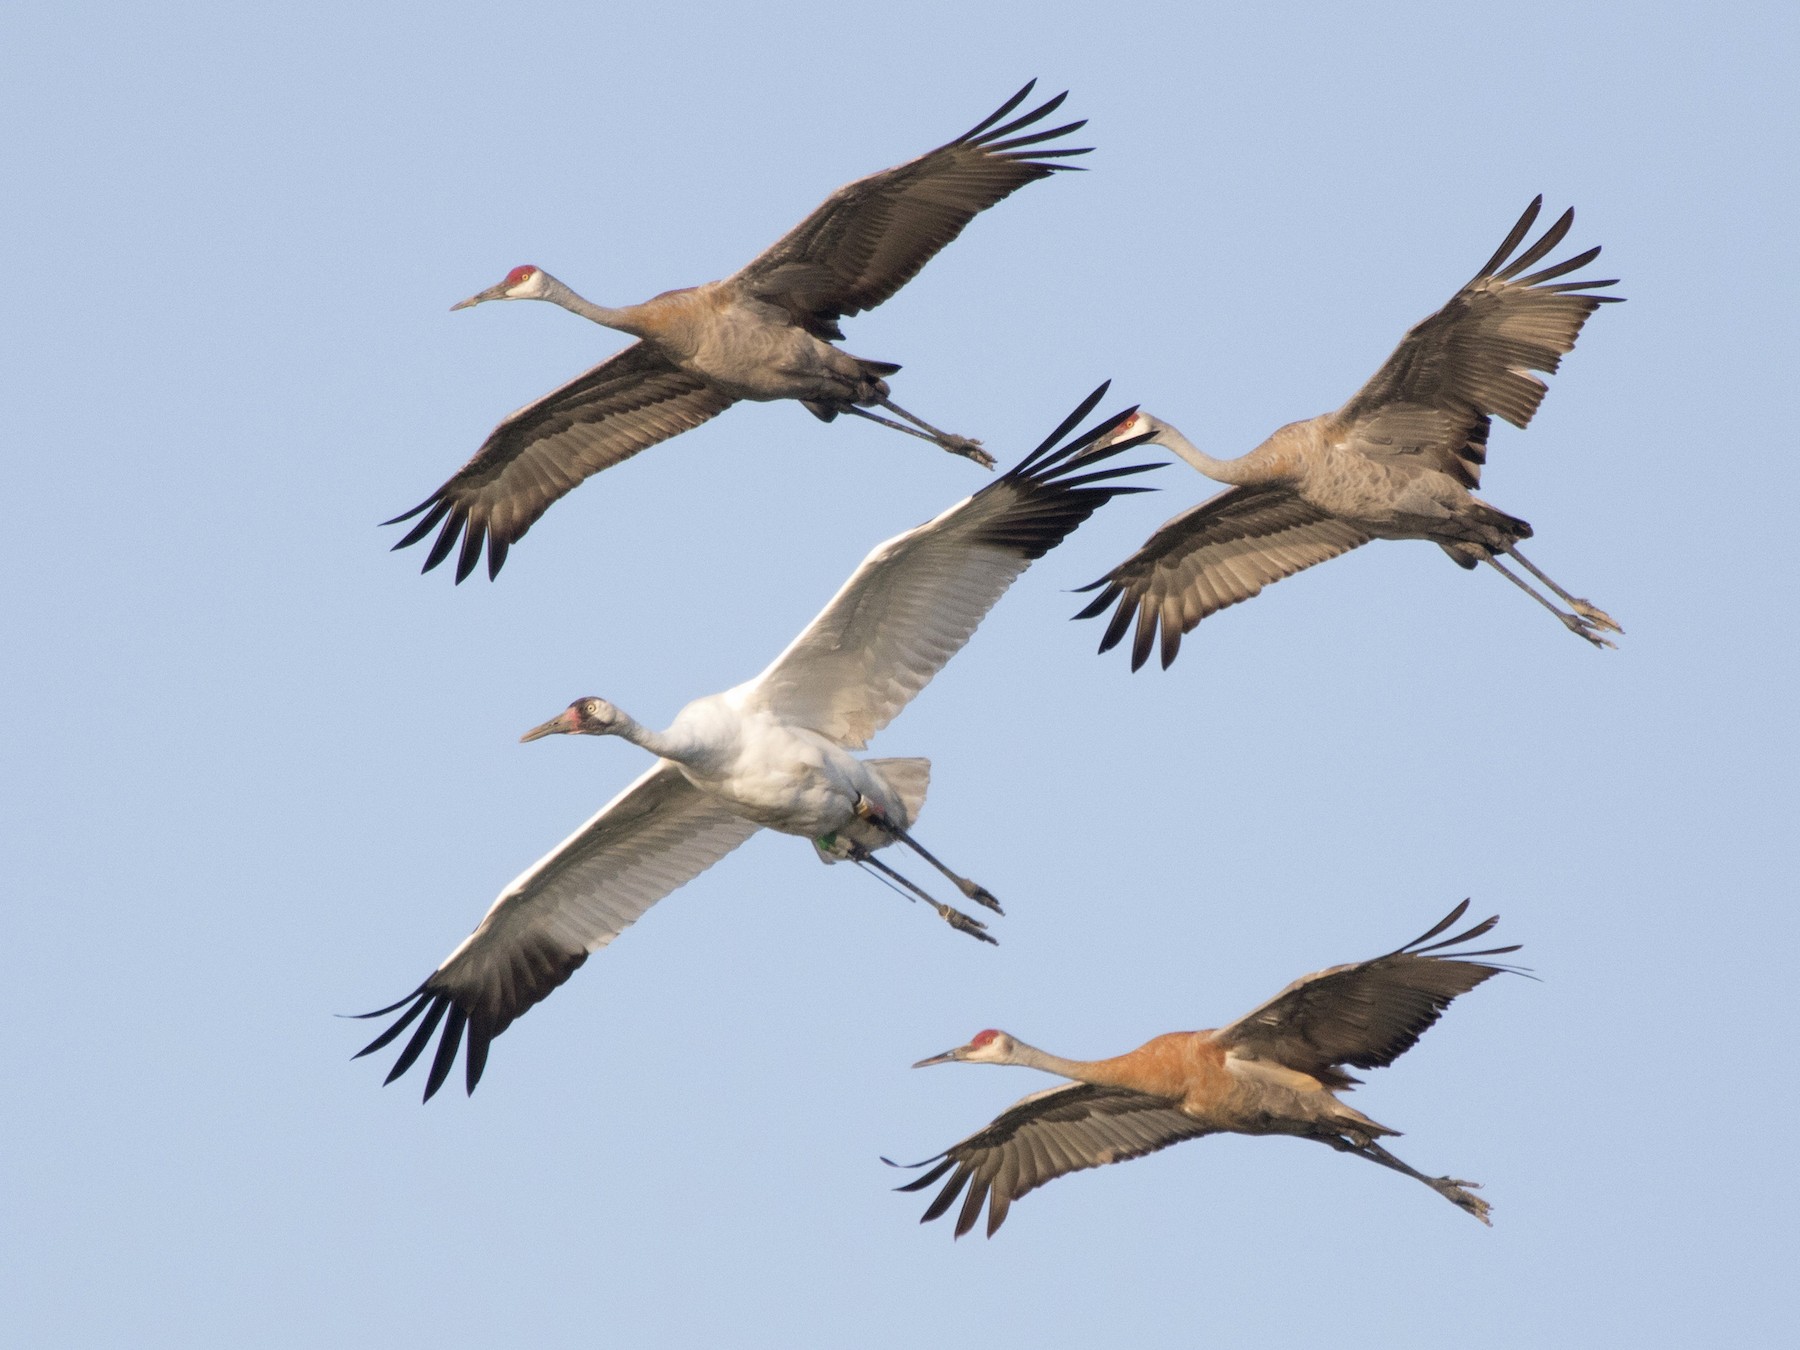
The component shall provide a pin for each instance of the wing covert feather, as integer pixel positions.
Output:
(627, 403)
(918, 597)
(1216, 554)
(655, 836)
(1368, 1013)
(1044, 1136)
(1474, 358)
(871, 236)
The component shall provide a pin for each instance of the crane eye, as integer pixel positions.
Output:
(592, 707)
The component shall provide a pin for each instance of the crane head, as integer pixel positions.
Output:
(524, 282)
(1136, 423)
(985, 1047)
(583, 717)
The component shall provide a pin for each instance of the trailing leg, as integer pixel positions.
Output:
(979, 894)
(1586, 609)
(1576, 623)
(961, 922)
(1456, 1192)
(956, 445)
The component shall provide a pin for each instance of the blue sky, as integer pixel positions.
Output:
(261, 772)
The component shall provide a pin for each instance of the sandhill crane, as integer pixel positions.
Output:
(1395, 462)
(1276, 1070)
(773, 752)
(764, 333)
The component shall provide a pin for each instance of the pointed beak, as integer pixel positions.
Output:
(494, 292)
(562, 724)
(948, 1057)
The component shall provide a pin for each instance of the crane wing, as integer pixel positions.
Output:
(625, 404)
(1220, 552)
(917, 598)
(656, 835)
(871, 237)
(1474, 358)
(1366, 1014)
(1062, 1129)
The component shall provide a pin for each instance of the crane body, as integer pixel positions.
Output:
(1275, 1071)
(767, 332)
(774, 752)
(1400, 460)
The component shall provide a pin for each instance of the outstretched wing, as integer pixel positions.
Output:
(623, 405)
(1062, 1129)
(1222, 551)
(1474, 358)
(1366, 1014)
(917, 598)
(871, 237)
(656, 835)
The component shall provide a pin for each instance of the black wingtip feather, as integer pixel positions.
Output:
(448, 1045)
(440, 548)
(416, 1046)
(408, 515)
(975, 131)
(473, 539)
(423, 528)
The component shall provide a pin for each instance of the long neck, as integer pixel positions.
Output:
(662, 743)
(1245, 469)
(1082, 1070)
(625, 320)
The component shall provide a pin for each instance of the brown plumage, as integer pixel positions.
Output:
(765, 333)
(1400, 460)
(1276, 1070)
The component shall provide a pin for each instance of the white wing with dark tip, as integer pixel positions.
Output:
(918, 597)
(906, 611)
(655, 836)
(1044, 1136)
(1369, 1013)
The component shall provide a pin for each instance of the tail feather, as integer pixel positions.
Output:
(909, 779)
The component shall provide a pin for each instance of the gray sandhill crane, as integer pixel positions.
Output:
(1398, 461)
(1276, 1070)
(764, 333)
(773, 752)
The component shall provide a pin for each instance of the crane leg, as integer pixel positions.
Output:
(979, 894)
(1456, 1192)
(1586, 609)
(961, 922)
(956, 445)
(1576, 623)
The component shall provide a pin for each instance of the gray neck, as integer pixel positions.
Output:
(559, 294)
(1033, 1058)
(1220, 470)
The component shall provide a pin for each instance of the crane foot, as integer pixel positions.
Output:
(1457, 1193)
(962, 923)
(1596, 616)
(1582, 627)
(981, 895)
(968, 449)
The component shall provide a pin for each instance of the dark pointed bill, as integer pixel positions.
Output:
(948, 1057)
(562, 724)
(493, 292)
